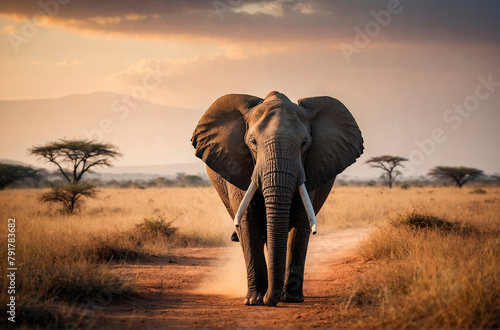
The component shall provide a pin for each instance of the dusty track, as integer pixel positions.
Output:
(204, 287)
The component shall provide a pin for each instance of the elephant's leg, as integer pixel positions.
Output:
(298, 240)
(252, 244)
(250, 234)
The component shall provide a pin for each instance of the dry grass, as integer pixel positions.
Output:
(360, 206)
(64, 260)
(435, 267)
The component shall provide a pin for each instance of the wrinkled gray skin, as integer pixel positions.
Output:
(278, 145)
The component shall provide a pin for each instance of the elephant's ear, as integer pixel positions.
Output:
(336, 140)
(219, 138)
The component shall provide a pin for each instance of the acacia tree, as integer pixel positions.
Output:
(459, 175)
(74, 158)
(12, 173)
(389, 165)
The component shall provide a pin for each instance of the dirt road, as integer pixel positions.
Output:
(204, 287)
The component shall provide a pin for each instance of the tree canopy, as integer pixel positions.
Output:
(79, 155)
(389, 165)
(74, 158)
(12, 173)
(459, 175)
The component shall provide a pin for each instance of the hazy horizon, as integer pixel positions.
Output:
(421, 79)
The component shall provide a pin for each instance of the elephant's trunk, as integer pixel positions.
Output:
(279, 179)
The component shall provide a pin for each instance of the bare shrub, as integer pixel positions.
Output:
(144, 239)
(155, 228)
(69, 195)
(419, 220)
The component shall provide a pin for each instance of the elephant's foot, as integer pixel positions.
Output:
(272, 298)
(292, 298)
(234, 237)
(293, 289)
(255, 298)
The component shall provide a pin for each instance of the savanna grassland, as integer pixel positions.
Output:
(432, 259)
(436, 265)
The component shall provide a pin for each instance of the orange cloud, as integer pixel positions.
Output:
(278, 21)
(9, 29)
(64, 63)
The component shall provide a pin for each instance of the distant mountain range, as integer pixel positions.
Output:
(145, 133)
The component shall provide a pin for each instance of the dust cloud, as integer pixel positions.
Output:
(228, 277)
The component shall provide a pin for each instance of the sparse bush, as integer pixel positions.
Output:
(146, 238)
(110, 251)
(421, 220)
(418, 220)
(156, 227)
(478, 191)
(69, 195)
(405, 186)
(188, 180)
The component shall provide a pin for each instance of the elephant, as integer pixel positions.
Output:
(273, 164)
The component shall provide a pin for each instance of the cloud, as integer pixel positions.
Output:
(282, 21)
(102, 20)
(64, 63)
(136, 73)
(8, 29)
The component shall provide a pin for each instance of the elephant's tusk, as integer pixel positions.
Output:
(309, 208)
(244, 203)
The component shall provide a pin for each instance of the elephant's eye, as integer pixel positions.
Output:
(304, 143)
(253, 141)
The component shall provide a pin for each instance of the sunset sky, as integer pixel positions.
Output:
(411, 72)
